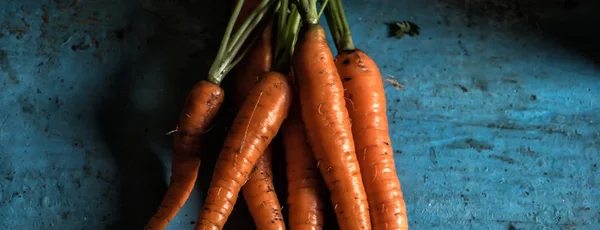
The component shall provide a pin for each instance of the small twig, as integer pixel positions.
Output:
(394, 82)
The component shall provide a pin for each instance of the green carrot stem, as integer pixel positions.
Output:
(225, 40)
(308, 10)
(227, 56)
(338, 25)
(286, 39)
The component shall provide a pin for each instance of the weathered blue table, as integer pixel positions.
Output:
(497, 127)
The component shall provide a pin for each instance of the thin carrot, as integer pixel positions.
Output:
(199, 110)
(258, 60)
(367, 109)
(259, 193)
(256, 63)
(255, 125)
(305, 185)
(327, 123)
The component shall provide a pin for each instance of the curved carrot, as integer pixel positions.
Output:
(305, 187)
(255, 125)
(259, 193)
(328, 127)
(367, 109)
(199, 110)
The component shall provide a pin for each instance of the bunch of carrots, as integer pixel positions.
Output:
(330, 114)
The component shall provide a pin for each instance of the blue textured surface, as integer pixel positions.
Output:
(498, 127)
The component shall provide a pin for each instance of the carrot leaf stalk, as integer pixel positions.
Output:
(338, 25)
(231, 44)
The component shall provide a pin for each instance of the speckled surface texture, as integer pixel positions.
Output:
(497, 127)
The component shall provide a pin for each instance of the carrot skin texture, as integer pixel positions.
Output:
(199, 111)
(305, 185)
(367, 109)
(255, 125)
(259, 193)
(328, 127)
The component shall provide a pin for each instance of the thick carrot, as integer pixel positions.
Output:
(255, 125)
(305, 185)
(327, 124)
(259, 192)
(199, 110)
(367, 109)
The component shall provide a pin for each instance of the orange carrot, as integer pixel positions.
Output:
(254, 65)
(305, 185)
(367, 110)
(328, 125)
(199, 110)
(259, 192)
(255, 125)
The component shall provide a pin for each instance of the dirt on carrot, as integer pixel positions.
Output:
(255, 125)
(259, 193)
(199, 110)
(364, 86)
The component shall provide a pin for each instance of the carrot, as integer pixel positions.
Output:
(256, 63)
(305, 206)
(199, 110)
(255, 125)
(259, 193)
(367, 109)
(327, 123)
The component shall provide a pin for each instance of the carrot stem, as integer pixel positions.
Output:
(225, 41)
(338, 25)
(287, 36)
(231, 44)
(308, 10)
(323, 6)
(244, 27)
(281, 24)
